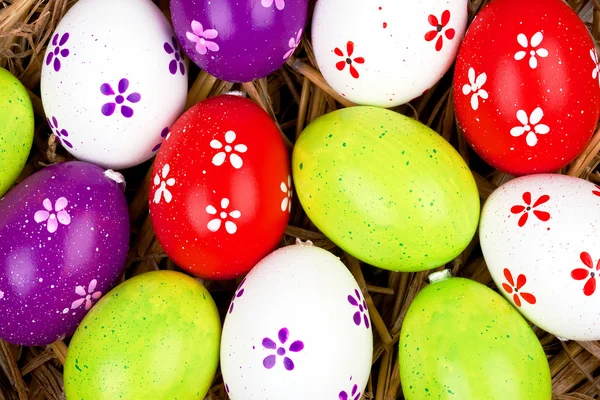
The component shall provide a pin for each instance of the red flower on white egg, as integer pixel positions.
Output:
(528, 207)
(438, 31)
(348, 60)
(512, 288)
(597, 191)
(590, 273)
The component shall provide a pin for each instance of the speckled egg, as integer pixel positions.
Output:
(462, 340)
(155, 336)
(539, 236)
(297, 328)
(16, 129)
(239, 41)
(385, 188)
(114, 79)
(64, 236)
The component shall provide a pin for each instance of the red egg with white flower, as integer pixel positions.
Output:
(220, 195)
(526, 85)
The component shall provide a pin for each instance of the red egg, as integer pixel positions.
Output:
(527, 85)
(220, 194)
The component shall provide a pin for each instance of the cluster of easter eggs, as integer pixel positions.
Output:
(383, 187)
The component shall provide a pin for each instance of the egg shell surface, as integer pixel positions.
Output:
(113, 82)
(462, 340)
(384, 187)
(155, 336)
(285, 328)
(527, 85)
(64, 237)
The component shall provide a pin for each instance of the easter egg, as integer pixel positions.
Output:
(298, 317)
(384, 187)
(16, 129)
(221, 192)
(388, 52)
(64, 236)
(155, 336)
(539, 236)
(114, 79)
(239, 41)
(526, 85)
(491, 353)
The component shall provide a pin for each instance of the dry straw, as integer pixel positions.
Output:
(295, 95)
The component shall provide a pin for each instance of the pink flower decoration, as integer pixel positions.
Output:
(87, 298)
(199, 36)
(280, 4)
(293, 44)
(59, 214)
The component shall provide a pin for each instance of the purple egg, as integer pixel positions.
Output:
(239, 41)
(64, 237)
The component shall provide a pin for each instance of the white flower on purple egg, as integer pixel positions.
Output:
(173, 48)
(88, 297)
(1, 294)
(293, 44)
(109, 108)
(199, 36)
(222, 216)
(57, 52)
(164, 183)
(53, 216)
(283, 335)
(286, 203)
(361, 314)
(230, 149)
(280, 4)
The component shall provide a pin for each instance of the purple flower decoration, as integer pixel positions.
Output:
(283, 335)
(163, 135)
(239, 292)
(227, 388)
(178, 54)
(61, 134)
(109, 108)
(362, 309)
(354, 394)
(58, 52)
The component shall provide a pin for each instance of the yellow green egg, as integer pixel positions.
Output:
(16, 129)
(155, 336)
(385, 188)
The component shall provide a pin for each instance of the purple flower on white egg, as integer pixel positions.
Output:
(57, 52)
(293, 44)
(361, 314)
(61, 134)
(164, 134)
(87, 297)
(283, 336)
(199, 36)
(173, 48)
(353, 395)
(54, 216)
(109, 108)
(238, 293)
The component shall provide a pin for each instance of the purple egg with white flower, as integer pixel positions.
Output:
(287, 326)
(113, 82)
(64, 237)
(239, 41)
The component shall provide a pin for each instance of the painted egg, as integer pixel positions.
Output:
(383, 187)
(113, 82)
(221, 193)
(239, 41)
(388, 52)
(16, 129)
(539, 238)
(492, 352)
(526, 85)
(276, 338)
(155, 336)
(64, 237)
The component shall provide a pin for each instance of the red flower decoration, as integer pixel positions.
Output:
(597, 191)
(510, 287)
(439, 27)
(541, 215)
(580, 274)
(340, 65)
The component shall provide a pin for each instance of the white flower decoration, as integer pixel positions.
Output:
(221, 156)
(59, 214)
(596, 70)
(536, 40)
(293, 44)
(215, 224)
(280, 4)
(162, 190)
(86, 297)
(474, 88)
(531, 125)
(286, 203)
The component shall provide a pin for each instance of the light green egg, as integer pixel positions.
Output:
(16, 129)
(385, 188)
(155, 336)
(462, 341)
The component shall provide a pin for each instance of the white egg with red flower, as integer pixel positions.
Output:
(386, 53)
(298, 317)
(539, 236)
(113, 82)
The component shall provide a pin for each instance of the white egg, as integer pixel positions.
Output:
(297, 328)
(113, 80)
(388, 52)
(539, 235)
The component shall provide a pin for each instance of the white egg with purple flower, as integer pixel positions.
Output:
(113, 82)
(298, 327)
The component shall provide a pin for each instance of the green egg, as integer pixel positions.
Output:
(385, 188)
(16, 129)
(462, 341)
(155, 336)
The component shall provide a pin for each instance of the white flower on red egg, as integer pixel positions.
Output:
(286, 203)
(222, 216)
(229, 148)
(163, 185)
(531, 126)
(596, 70)
(531, 47)
(474, 88)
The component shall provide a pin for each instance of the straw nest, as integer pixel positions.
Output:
(294, 96)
